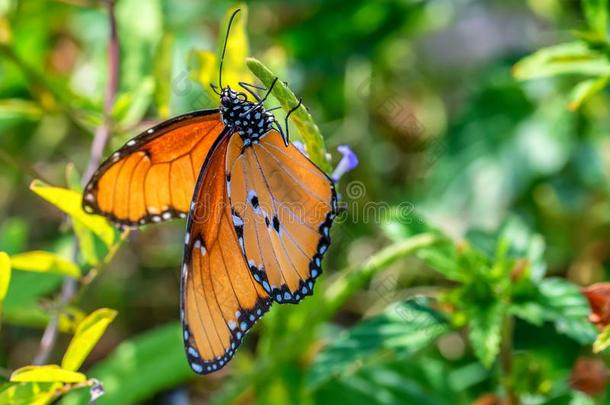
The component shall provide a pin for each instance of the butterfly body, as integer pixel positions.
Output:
(251, 120)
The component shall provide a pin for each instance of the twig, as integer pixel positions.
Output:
(102, 135)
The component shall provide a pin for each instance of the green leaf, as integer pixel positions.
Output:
(13, 235)
(21, 306)
(28, 393)
(312, 137)
(130, 107)
(585, 90)
(403, 328)
(561, 302)
(44, 262)
(140, 367)
(20, 108)
(596, 12)
(567, 58)
(486, 331)
(568, 308)
(88, 333)
(5, 275)
(47, 373)
(86, 244)
(603, 341)
(70, 202)
(420, 380)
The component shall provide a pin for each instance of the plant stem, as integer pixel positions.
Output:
(506, 360)
(102, 135)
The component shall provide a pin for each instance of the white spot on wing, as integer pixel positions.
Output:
(237, 221)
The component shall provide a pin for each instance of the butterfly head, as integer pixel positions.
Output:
(229, 97)
(232, 104)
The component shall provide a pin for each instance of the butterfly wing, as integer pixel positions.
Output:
(283, 206)
(152, 177)
(220, 300)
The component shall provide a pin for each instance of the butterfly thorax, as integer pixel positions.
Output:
(249, 119)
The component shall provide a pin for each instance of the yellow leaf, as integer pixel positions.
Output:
(46, 373)
(69, 201)
(603, 341)
(88, 333)
(234, 68)
(5, 274)
(44, 262)
(204, 70)
(206, 65)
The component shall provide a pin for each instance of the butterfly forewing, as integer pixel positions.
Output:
(220, 299)
(152, 177)
(282, 209)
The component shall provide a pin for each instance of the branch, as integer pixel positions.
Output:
(102, 135)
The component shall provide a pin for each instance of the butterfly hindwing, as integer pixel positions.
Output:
(152, 177)
(282, 207)
(220, 300)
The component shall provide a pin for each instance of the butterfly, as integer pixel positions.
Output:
(258, 211)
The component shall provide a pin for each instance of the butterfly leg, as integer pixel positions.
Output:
(249, 88)
(214, 88)
(262, 100)
(279, 127)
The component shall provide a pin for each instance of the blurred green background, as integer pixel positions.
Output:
(479, 208)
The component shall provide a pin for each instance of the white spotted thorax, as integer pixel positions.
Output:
(249, 119)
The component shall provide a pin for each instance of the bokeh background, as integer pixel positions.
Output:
(479, 209)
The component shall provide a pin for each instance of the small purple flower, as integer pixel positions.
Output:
(96, 390)
(348, 162)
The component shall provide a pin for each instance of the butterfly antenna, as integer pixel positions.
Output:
(224, 48)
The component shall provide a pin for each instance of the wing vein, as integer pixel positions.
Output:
(260, 169)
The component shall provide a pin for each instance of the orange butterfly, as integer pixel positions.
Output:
(258, 219)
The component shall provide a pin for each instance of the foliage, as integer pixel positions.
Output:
(478, 210)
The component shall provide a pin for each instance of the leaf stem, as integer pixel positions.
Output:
(506, 360)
